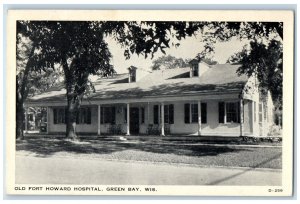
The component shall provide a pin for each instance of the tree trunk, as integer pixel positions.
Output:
(22, 92)
(75, 86)
(72, 111)
(19, 121)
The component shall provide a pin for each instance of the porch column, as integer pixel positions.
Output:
(162, 119)
(26, 121)
(99, 120)
(252, 119)
(199, 118)
(48, 119)
(148, 113)
(241, 117)
(128, 119)
(263, 119)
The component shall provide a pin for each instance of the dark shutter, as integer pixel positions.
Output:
(155, 114)
(55, 116)
(171, 114)
(78, 116)
(89, 115)
(125, 115)
(101, 115)
(221, 112)
(143, 115)
(66, 115)
(204, 113)
(187, 113)
(113, 115)
(238, 112)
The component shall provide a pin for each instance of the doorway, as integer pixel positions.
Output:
(134, 121)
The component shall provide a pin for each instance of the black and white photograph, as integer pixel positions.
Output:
(151, 103)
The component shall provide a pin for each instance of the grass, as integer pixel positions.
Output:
(170, 152)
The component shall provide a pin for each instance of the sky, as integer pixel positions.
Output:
(188, 48)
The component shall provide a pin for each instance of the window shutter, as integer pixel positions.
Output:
(125, 115)
(187, 113)
(204, 113)
(113, 115)
(143, 115)
(66, 115)
(155, 112)
(89, 115)
(171, 114)
(221, 112)
(102, 115)
(55, 116)
(77, 116)
(238, 112)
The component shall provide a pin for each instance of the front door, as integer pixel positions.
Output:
(134, 121)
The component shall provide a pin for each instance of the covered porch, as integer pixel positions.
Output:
(193, 116)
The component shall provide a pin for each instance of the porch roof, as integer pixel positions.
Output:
(218, 79)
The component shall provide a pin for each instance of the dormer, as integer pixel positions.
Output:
(131, 74)
(197, 68)
(194, 64)
(135, 74)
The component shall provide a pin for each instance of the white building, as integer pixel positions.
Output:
(199, 100)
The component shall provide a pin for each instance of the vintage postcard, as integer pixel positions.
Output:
(177, 102)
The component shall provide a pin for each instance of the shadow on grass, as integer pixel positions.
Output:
(47, 147)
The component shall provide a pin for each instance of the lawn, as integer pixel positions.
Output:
(169, 152)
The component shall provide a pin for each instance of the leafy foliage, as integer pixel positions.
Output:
(265, 61)
(169, 62)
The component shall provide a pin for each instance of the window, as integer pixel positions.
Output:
(59, 115)
(194, 113)
(229, 112)
(195, 70)
(108, 115)
(169, 114)
(84, 116)
(232, 112)
(142, 115)
(191, 113)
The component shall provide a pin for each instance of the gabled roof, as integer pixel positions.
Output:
(221, 78)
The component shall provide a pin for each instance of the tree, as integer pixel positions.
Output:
(265, 61)
(79, 47)
(80, 50)
(29, 80)
(169, 62)
(264, 56)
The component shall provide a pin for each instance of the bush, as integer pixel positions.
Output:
(275, 131)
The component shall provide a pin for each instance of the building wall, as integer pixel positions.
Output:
(79, 127)
(213, 127)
